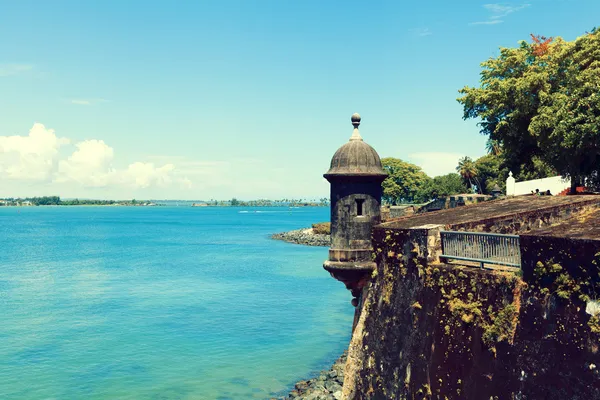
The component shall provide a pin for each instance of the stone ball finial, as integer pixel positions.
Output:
(355, 119)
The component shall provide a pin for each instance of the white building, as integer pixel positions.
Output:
(555, 184)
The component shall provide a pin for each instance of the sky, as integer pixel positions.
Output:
(124, 99)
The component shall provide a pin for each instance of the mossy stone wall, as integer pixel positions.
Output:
(430, 330)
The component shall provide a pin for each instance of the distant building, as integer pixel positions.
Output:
(555, 184)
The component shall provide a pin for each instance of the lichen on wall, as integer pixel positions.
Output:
(430, 330)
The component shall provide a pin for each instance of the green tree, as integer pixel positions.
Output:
(490, 172)
(234, 202)
(540, 102)
(404, 182)
(45, 200)
(442, 186)
(493, 147)
(536, 169)
(468, 171)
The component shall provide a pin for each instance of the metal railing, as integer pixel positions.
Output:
(484, 248)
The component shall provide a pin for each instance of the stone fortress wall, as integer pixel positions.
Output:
(428, 329)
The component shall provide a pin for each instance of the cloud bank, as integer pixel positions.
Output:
(436, 163)
(36, 158)
(44, 163)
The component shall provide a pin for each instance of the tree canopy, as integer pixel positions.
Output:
(407, 183)
(539, 104)
(467, 170)
(442, 186)
(404, 182)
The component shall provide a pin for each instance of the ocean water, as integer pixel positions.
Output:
(163, 303)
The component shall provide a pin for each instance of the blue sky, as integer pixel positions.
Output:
(216, 99)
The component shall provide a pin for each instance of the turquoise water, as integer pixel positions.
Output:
(163, 303)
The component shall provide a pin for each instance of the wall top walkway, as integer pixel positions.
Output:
(492, 210)
(585, 225)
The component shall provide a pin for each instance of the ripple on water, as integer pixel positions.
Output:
(163, 303)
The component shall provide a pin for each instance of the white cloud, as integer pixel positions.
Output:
(421, 32)
(489, 22)
(90, 165)
(41, 164)
(14, 69)
(35, 157)
(87, 102)
(32, 157)
(498, 11)
(81, 102)
(502, 10)
(143, 175)
(436, 163)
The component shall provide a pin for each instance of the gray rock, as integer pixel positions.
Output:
(300, 236)
(332, 386)
(325, 386)
(319, 386)
(318, 396)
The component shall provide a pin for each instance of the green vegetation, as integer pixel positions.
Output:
(56, 201)
(465, 298)
(467, 170)
(45, 201)
(323, 202)
(403, 182)
(407, 183)
(443, 186)
(322, 228)
(539, 105)
(552, 278)
(502, 327)
(77, 202)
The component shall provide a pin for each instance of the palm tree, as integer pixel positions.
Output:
(466, 168)
(493, 147)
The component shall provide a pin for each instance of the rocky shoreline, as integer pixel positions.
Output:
(303, 236)
(326, 386)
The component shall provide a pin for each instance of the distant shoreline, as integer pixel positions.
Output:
(54, 205)
(57, 201)
(149, 205)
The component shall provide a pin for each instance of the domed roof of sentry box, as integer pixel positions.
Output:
(356, 158)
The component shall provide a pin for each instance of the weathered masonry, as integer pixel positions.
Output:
(355, 175)
(433, 329)
(432, 324)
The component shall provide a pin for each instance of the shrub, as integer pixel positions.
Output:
(322, 228)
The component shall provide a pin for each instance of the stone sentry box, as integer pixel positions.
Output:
(355, 176)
